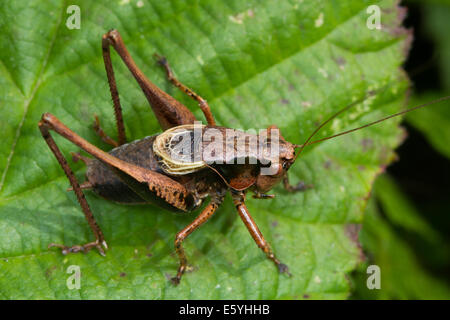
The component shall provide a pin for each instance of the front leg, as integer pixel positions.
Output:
(238, 199)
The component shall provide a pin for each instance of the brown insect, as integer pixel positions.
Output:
(146, 170)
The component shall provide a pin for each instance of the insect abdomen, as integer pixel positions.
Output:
(108, 185)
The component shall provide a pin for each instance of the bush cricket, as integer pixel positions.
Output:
(158, 169)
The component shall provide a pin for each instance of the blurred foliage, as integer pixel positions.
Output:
(434, 122)
(403, 275)
(396, 233)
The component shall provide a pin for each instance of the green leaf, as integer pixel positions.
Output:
(403, 275)
(289, 63)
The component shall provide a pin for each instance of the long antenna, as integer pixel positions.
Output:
(307, 143)
(302, 146)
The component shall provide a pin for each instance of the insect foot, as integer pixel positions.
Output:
(101, 247)
(282, 268)
(160, 59)
(175, 280)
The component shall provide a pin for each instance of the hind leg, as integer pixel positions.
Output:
(99, 243)
(146, 183)
(168, 111)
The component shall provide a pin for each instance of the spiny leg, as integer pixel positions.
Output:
(168, 111)
(114, 95)
(238, 199)
(182, 235)
(145, 182)
(202, 102)
(99, 242)
(301, 186)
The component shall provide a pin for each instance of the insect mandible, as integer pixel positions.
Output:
(147, 171)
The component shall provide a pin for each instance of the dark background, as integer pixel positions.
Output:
(422, 174)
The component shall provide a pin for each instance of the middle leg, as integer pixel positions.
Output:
(201, 102)
(183, 234)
